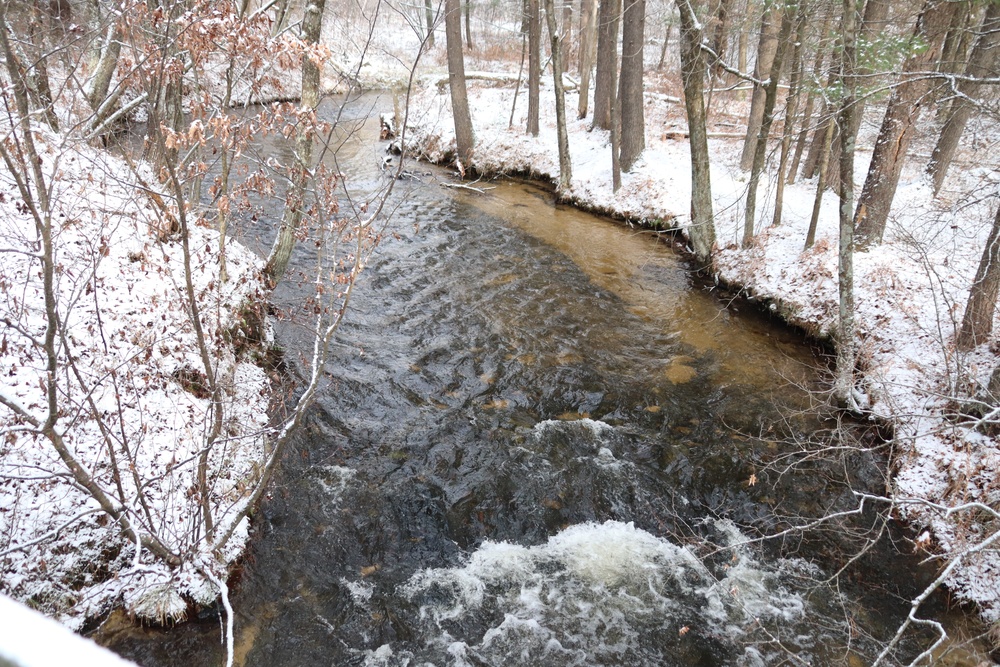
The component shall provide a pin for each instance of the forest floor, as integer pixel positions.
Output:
(910, 291)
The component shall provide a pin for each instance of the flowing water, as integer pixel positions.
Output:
(544, 443)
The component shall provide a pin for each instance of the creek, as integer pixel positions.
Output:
(544, 442)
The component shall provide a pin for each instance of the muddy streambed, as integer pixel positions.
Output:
(543, 443)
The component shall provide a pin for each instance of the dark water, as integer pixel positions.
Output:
(543, 443)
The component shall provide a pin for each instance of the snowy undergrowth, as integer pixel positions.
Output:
(910, 291)
(120, 292)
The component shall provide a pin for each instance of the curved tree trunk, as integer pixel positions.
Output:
(630, 99)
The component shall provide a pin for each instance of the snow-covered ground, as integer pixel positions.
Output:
(911, 290)
(125, 324)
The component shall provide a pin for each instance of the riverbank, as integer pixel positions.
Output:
(910, 291)
(132, 406)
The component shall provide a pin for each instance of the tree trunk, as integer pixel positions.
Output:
(720, 37)
(694, 67)
(588, 50)
(843, 387)
(534, 65)
(663, 49)
(630, 99)
(873, 23)
(791, 109)
(566, 38)
(281, 252)
(607, 62)
(429, 17)
(803, 136)
(824, 164)
(760, 151)
(899, 124)
(565, 164)
(981, 63)
(977, 323)
(468, 24)
(766, 50)
(464, 137)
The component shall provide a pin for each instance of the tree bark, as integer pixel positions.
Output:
(720, 36)
(873, 23)
(844, 385)
(630, 99)
(468, 24)
(534, 65)
(982, 62)
(281, 252)
(791, 109)
(565, 164)
(807, 113)
(899, 125)
(464, 137)
(607, 62)
(694, 67)
(588, 51)
(766, 50)
(977, 323)
(429, 17)
(760, 150)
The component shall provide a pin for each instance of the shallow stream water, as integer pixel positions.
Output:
(543, 442)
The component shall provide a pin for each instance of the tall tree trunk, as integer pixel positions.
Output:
(429, 17)
(824, 165)
(844, 385)
(899, 124)
(720, 36)
(807, 113)
(694, 67)
(468, 24)
(464, 137)
(607, 61)
(766, 50)
(566, 38)
(872, 25)
(630, 100)
(760, 151)
(534, 65)
(977, 323)
(565, 164)
(663, 49)
(791, 109)
(588, 51)
(281, 252)
(981, 63)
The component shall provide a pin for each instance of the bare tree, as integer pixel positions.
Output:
(770, 24)
(565, 163)
(981, 63)
(694, 68)
(607, 61)
(977, 323)
(534, 64)
(630, 97)
(588, 52)
(899, 124)
(464, 137)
